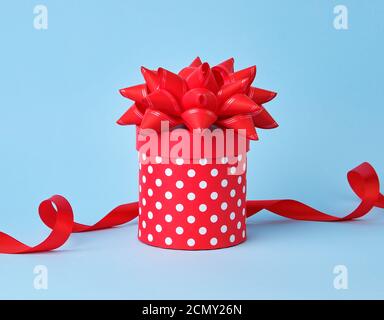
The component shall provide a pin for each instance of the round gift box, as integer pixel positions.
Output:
(192, 204)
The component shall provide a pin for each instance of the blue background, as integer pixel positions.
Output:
(58, 107)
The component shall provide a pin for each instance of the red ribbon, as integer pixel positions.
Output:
(198, 97)
(56, 213)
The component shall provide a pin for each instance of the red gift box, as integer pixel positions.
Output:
(190, 201)
(193, 202)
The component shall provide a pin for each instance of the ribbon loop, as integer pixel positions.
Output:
(60, 220)
(364, 182)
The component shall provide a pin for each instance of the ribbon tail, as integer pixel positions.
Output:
(118, 216)
(380, 202)
(363, 181)
(61, 229)
(57, 214)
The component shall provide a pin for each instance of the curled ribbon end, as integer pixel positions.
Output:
(122, 120)
(273, 95)
(122, 92)
(196, 62)
(205, 68)
(365, 182)
(272, 126)
(253, 137)
(143, 70)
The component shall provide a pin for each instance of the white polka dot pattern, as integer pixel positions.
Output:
(192, 206)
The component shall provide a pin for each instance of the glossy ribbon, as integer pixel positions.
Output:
(198, 97)
(56, 213)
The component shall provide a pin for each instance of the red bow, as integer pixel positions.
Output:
(198, 97)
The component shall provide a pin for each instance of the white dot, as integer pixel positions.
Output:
(150, 192)
(213, 241)
(150, 215)
(232, 238)
(179, 230)
(191, 196)
(244, 166)
(224, 206)
(158, 159)
(239, 203)
(243, 211)
(168, 172)
(203, 230)
(191, 219)
(179, 207)
(150, 237)
(232, 216)
(214, 172)
(179, 161)
(214, 195)
(144, 202)
(214, 218)
(179, 184)
(144, 156)
(168, 241)
(203, 184)
(150, 169)
(139, 210)
(243, 233)
(223, 228)
(140, 165)
(158, 205)
(239, 225)
(232, 193)
(203, 161)
(203, 207)
(224, 160)
(191, 173)
(139, 233)
(140, 188)
(232, 170)
(158, 182)
(243, 189)
(158, 228)
(144, 179)
(239, 179)
(240, 157)
(191, 242)
(224, 183)
(168, 195)
(168, 218)
(144, 224)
